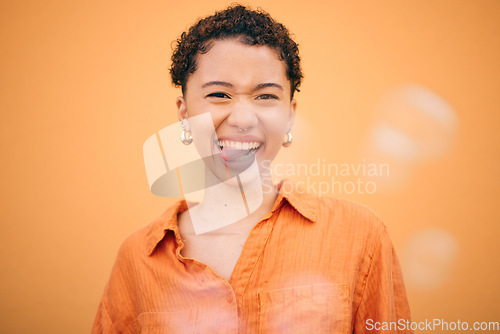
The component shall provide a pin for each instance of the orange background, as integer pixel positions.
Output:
(83, 84)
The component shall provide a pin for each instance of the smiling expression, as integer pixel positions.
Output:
(248, 95)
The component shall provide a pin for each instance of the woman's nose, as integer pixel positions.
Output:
(242, 116)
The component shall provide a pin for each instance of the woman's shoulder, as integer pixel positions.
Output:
(348, 208)
(350, 216)
(334, 216)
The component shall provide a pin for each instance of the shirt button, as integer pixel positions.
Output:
(229, 299)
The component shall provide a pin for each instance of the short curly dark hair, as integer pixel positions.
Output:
(255, 26)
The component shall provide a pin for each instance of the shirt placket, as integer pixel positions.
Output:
(248, 262)
(221, 315)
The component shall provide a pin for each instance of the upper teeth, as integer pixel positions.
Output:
(238, 145)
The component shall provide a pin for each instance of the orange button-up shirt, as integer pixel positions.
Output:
(311, 265)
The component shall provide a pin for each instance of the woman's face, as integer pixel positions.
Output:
(247, 93)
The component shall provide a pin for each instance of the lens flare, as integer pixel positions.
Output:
(413, 125)
(429, 257)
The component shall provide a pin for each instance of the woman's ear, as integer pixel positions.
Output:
(182, 110)
(291, 115)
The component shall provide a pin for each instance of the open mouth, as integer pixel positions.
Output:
(235, 150)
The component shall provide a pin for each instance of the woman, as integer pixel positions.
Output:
(252, 256)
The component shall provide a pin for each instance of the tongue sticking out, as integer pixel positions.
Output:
(237, 161)
(231, 154)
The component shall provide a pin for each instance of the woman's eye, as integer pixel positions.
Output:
(267, 97)
(218, 95)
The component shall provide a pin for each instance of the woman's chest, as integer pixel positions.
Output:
(219, 253)
(271, 291)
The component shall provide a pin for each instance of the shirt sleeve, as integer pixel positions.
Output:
(116, 309)
(103, 323)
(384, 305)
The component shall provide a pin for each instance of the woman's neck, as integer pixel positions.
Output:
(241, 199)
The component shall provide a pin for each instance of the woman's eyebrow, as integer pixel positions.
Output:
(268, 84)
(227, 84)
(217, 83)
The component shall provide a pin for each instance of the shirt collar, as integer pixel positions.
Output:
(305, 203)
